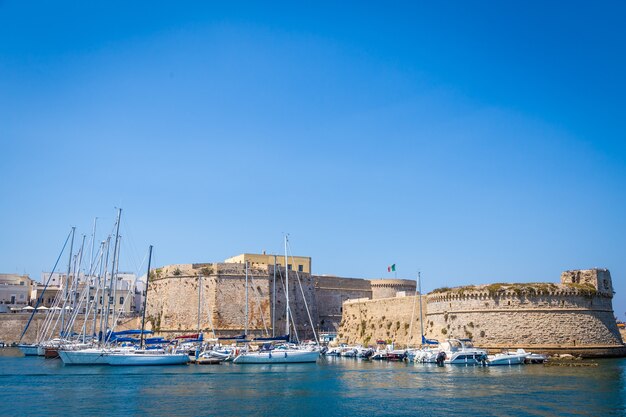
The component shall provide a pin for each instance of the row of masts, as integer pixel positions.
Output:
(96, 297)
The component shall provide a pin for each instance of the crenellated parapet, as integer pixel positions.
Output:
(388, 288)
(577, 313)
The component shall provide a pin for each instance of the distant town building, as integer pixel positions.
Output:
(15, 290)
(124, 300)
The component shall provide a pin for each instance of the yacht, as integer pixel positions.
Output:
(462, 352)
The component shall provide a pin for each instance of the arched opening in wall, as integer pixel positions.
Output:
(508, 303)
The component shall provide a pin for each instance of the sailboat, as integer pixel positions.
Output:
(144, 356)
(430, 348)
(35, 349)
(284, 353)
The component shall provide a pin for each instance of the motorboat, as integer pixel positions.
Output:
(462, 352)
(220, 353)
(536, 358)
(426, 355)
(508, 358)
(335, 351)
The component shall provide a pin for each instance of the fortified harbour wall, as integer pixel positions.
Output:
(214, 294)
(575, 316)
(174, 296)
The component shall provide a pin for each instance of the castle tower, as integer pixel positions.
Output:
(599, 278)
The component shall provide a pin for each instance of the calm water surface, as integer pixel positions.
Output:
(336, 386)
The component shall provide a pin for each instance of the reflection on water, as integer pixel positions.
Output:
(335, 386)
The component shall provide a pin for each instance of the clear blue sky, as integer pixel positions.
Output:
(476, 143)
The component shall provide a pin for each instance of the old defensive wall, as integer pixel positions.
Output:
(212, 296)
(574, 316)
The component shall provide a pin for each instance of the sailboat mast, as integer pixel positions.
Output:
(245, 332)
(145, 299)
(67, 279)
(286, 292)
(104, 311)
(274, 301)
(115, 264)
(199, 301)
(419, 289)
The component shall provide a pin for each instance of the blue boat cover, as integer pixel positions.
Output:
(284, 338)
(127, 332)
(429, 341)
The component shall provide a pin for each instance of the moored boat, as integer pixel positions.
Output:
(278, 355)
(462, 352)
(146, 357)
(508, 358)
(29, 350)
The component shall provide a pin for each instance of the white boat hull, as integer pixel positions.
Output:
(29, 350)
(146, 359)
(464, 361)
(84, 357)
(278, 356)
(504, 359)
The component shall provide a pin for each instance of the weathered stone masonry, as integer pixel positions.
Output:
(575, 315)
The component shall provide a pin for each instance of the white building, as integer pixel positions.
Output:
(15, 290)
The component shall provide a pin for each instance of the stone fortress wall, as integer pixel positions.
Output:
(575, 316)
(173, 298)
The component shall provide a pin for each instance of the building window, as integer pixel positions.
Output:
(300, 268)
(289, 267)
(21, 282)
(121, 300)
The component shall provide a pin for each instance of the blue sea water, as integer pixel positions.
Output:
(33, 386)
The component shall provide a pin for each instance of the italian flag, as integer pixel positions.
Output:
(391, 268)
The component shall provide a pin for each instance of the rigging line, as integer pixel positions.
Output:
(292, 321)
(258, 302)
(44, 289)
(131, 243)
(306, 305)
(141, 266)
